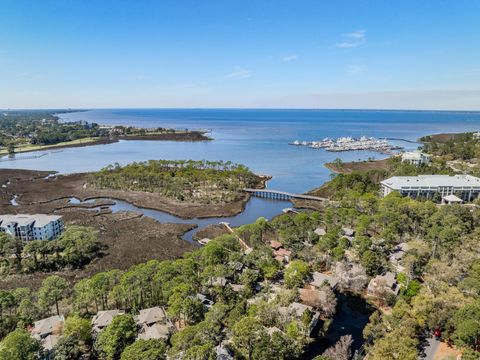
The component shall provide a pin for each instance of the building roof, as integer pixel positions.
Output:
(320, 231)
(47, 326)
(452, 198)
(282, 252)
(156, 331)
(105, 317)
(151, 315)
(49, 342)
(348, 231)
(414, 155)
(319, 279)
(38, 220)
(431, 181)
(275, 244)
(300, 308)
(273, 329)
(237, 287)
(217, 281)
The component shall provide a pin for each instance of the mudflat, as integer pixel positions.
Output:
(53, 193)
(126, 238)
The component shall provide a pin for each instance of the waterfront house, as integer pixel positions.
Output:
(104, 318)
(298, 309)
(464, 187)
(32, 227)
(320, 279)
(382, 285)
(415, 158)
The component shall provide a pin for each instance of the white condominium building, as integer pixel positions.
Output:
(466, 187)
(32, 227)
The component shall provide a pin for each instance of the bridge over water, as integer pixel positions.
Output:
(281, 195)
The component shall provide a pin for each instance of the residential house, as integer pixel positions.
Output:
(47, 332)
(320, 231)
(275, 244)
(204, 300)
(320, 279)
(154, 324)
(283, 255)
(298, 310)
(104, 318)
(397, 254)
(382, 285)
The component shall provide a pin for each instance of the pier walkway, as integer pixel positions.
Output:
(281, 195)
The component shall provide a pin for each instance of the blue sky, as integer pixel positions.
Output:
(225, 53)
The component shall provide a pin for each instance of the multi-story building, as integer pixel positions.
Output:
(465, 187)
(32, 227)
(415, 158)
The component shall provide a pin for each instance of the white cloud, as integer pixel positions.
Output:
(344, 45)
(239, 73)
(290, 57)
(358, 37)
(358, 34)
(356, 69)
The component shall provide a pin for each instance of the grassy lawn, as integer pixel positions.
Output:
(30, 147)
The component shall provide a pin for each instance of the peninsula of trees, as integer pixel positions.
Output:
(206, 182)
(31, 130)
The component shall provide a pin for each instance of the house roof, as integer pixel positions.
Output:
(151, 315)
(218, 281)
(237, 287)
(105, 317)
(299, 308)
(275, 244)
(49, 342)
(156, 331)
(282, 252)
(47, 326)
(319, 279)
(348, 231)
(273, 329)
(320, 231)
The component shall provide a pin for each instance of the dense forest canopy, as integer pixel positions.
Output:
(201, 181)
(463, 146)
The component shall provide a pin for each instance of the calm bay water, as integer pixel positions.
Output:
(256, 138)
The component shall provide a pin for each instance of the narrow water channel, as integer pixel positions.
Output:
(255, 208)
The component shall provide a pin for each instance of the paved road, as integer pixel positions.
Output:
(430, 349)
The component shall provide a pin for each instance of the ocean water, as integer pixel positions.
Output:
(256, 138)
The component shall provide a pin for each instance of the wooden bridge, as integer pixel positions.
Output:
(281, 195)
